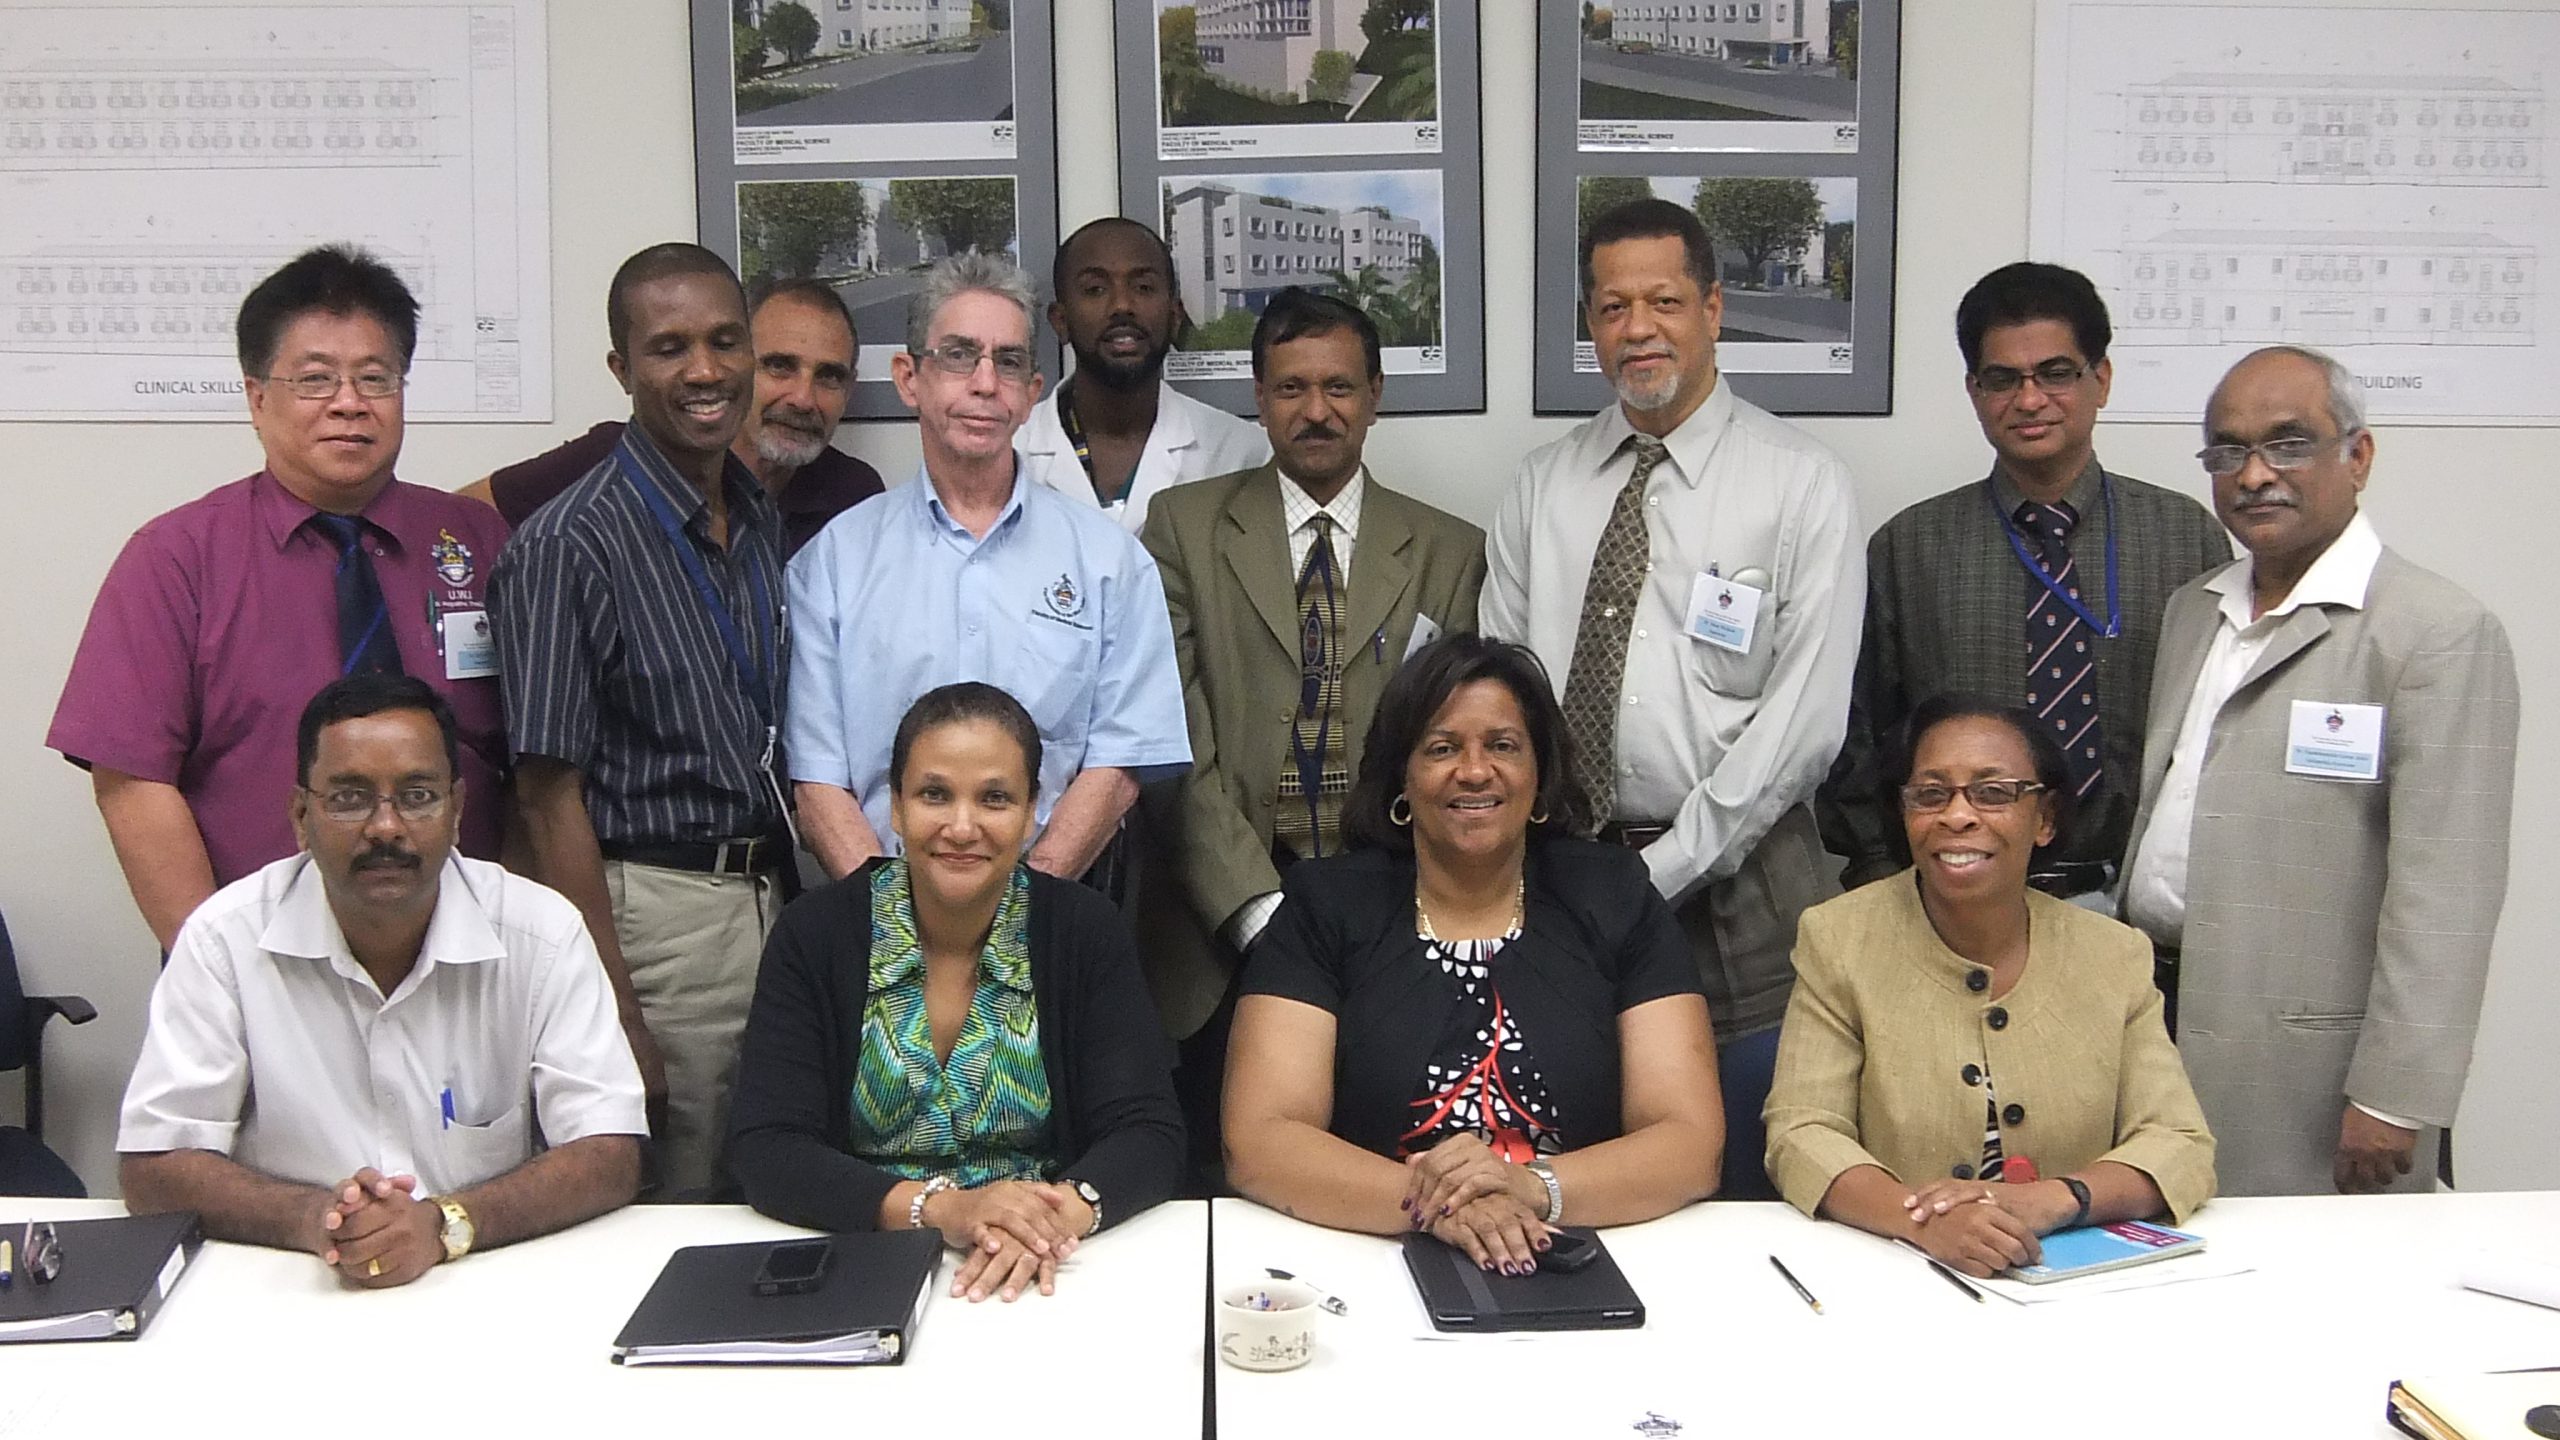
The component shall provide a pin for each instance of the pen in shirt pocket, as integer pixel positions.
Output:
(1378, 645)
(448, 1107)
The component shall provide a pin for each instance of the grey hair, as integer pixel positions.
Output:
(953, 276)
(2346, 397)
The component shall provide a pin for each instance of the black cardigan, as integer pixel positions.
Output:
(1113, 1118)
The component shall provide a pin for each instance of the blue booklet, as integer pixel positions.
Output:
(2095, 1249)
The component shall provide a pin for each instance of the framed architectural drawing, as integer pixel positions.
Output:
(1331, 144)
(856, 141)
(1774, 120)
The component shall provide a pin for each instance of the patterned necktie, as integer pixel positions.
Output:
(1591, 685)
(1316, 764)
(365, 643)
(2062, 669)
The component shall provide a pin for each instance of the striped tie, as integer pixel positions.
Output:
(2062, 661)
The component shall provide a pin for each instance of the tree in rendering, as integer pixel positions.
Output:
(1759, 220)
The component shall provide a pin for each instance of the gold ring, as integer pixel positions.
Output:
(373, 1269)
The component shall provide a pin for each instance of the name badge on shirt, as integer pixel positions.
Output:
(2334, 742)
(1724, 612)
(470, 651)
(1424, 632)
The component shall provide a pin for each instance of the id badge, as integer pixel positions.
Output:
(1723, 612)
(470, 651)
(1424, 632)
(2330, 741)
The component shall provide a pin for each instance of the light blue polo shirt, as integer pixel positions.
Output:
(1058, 605)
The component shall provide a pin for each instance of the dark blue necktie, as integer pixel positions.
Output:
(2062, 664)
(365, 643)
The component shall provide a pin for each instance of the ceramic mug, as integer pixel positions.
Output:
(1267, 1325)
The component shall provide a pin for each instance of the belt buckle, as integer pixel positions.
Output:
(746, 857)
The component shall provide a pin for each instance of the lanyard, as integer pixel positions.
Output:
(2115, 614)
(749, 669)
(1074, 431)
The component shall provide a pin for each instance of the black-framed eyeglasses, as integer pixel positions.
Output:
(2289, 452)
(353, 805)
(1981, 795)
(2050, 376)
(1014, 365)
(322, 385)
(40, 1250)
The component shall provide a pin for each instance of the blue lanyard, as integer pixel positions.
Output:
(2115, 614)
(749, 668)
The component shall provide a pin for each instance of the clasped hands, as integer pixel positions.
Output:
(1016, 1233)
(1985, 1227)
(1471, 1198)
(375, 1231)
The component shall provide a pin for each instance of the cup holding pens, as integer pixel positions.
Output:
(1267, 1324)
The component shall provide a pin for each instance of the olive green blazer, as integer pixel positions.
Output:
(1883, 1031)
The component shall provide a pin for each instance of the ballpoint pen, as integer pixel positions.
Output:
(1955, 1279)
(1795, 1284)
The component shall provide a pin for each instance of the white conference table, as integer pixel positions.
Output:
(516, 1341)
(2347, 1295)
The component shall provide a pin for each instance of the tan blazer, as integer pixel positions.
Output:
(2337, 936)
(1882, 1029)
(1223, 551)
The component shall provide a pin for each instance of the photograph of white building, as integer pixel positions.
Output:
(873, 62)
(1776, 32)
(1239, 240)
(1269, 46)
(1721, 61)
(862, 27)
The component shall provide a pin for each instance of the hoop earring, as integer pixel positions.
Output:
(1400, 803)
(1538, 816)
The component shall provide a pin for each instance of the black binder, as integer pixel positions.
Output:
(115, 1274)
(704, 1309)
(1465, 1300)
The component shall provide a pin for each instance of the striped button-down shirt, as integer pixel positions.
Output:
(612, 663)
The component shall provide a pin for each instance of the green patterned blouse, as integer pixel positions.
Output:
(984, 1114)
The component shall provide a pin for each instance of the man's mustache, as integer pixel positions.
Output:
(385, 857)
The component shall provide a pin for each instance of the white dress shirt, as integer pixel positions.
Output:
(1190, 441)
(2155, 894)
(1715, 744)
(270, 1044)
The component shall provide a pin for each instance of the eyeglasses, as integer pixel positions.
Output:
(353, 806)
(321, 385)
(1014, 365)
(1981, 794)
(2050, 376)
(2292, 452)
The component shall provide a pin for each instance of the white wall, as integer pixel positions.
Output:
(2465, 502)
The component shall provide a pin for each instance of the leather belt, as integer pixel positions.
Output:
(755, 855)
(2063, 881)
(1634, 837)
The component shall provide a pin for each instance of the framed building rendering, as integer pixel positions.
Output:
(1774, 120)
(856, 141)
(1331, 144)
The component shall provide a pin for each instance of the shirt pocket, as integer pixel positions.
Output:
(1741, 676)
(476, 1153)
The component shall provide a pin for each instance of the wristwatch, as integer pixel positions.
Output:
(1091, 1197)
(458, 1232)
(2079, 1192)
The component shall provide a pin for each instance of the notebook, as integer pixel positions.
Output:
(2475, 1407)
(704, 1309)
(1462, 1299)
(2097, 1249)
(115, 1274)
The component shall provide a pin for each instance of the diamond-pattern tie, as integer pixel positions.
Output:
(1316, 763)
(365, 643)
(2062, 662)
(1618, 566)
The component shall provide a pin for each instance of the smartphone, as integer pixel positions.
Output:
(1569, 1253)
(796, 1268)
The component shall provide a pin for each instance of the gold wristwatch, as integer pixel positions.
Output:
(458, 1232)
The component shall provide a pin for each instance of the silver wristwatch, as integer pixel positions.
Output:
(1555, 1192)
(1092, 1199)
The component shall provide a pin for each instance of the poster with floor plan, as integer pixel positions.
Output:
(2372, 181)
(157, 162)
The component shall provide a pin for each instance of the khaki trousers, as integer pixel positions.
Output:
(692, 943)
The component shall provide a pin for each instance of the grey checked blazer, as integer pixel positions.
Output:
(2337, 935)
